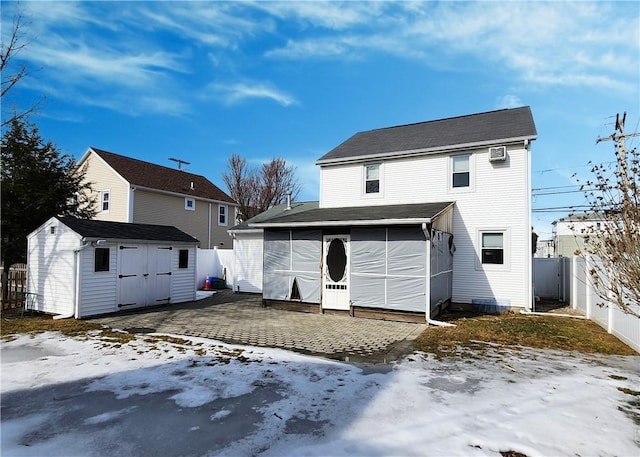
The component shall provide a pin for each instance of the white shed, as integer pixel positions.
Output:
(80, 268)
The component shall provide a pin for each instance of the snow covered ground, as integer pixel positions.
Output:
(65, 396)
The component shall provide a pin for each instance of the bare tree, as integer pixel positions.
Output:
(259, 188)
(614, 200)
(12, 72)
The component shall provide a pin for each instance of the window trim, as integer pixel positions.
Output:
(472, 185)
(186, 203)
(223, 211)
(103, 268)
(506, 249)
(366, 194)
(104, 192)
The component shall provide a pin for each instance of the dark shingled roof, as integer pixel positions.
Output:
(360, 215)
(145, 174)
(492, 127)
(125, 231)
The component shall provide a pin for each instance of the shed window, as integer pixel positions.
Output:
(460, 171)
(372, 179)
(105, 201)
(493, 248)
(101, 260)
(183, 258)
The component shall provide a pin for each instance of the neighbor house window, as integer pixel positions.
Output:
(183, 258)
(493, 248)
(460, 171)
(222, 214)
(101, 259)
(189, 204)
(105, 201)
(372, 179)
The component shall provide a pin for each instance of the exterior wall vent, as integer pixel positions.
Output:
(498, 154)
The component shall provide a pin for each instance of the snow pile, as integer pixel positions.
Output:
(191, 396)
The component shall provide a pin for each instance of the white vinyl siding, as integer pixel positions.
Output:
(50, 267)
(500, 198)
(183, 279)
(97, 289)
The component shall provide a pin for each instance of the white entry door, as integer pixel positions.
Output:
(335, 272)
(131, 276)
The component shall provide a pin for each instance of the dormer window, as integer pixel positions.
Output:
(372, 179)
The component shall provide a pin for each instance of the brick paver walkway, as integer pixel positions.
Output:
(241, 319)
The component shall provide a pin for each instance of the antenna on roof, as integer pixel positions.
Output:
(180, 162)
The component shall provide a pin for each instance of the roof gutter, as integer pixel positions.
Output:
(425, 151)
(346, 223)
(177, 194)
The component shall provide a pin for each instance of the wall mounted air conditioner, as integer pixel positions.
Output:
(498, 154)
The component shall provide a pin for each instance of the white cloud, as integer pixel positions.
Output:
(508, 101)
(233, 93)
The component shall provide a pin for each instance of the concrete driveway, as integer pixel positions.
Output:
(241, 319)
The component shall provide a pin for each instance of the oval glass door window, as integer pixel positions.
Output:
(336, 260)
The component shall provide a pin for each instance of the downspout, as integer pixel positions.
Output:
(209, 229)
(76, 285)
(426, 229)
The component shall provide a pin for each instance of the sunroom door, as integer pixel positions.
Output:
(335, 272)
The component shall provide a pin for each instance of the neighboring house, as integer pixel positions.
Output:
(545, 249)
(572, 234)
(79, 268)
(130, 190)
(409, 218)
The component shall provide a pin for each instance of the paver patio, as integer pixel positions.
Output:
(241, 319)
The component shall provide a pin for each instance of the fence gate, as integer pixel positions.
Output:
(551, 278)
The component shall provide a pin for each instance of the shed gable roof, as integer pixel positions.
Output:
(475, 129)
(91, 228)
(152, 176)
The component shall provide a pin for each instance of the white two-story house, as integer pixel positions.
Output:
(135, 191)
(409, 218)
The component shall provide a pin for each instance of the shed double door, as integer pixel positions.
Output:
(144, 275)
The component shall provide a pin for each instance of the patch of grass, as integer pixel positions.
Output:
(629, 391)
(37, 324)
(517, 330)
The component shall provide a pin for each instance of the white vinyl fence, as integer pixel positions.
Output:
(214, 262)
(584, 298)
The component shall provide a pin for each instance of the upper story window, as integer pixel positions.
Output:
(222, 214)
(189, 204)
(105, 201)
(460, 171)
(372, 179)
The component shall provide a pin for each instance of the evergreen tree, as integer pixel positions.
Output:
(38, 182)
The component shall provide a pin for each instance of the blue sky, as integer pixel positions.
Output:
(202, 80)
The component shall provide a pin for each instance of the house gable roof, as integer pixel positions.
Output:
(492, 127)
(357, 215)
(91, 228)
(157, 177)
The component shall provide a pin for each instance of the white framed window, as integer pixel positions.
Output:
(493, 249)
(105, 201)
(222, 214)
(189, 204)
(461, 171)
(372, 184)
